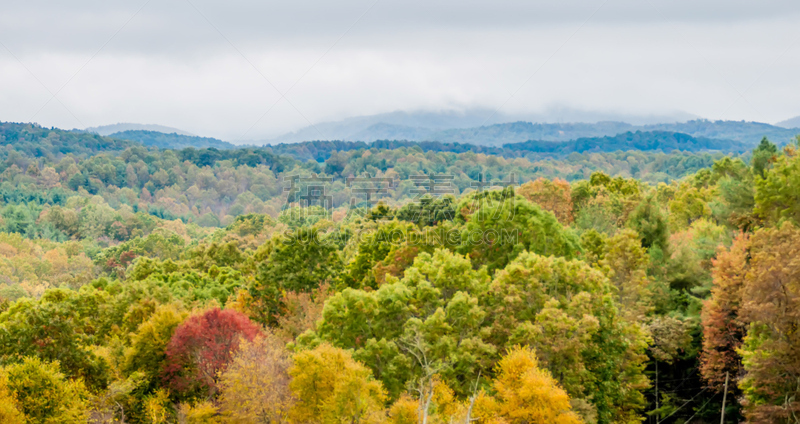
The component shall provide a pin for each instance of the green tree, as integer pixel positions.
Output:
(763, 155)
(374, 246)
(58, 327)
(147, 352)
(433, 310)
(650, 222)
(568, 312)
(428, 211)
(734, 193)
(500, 225)
(298, 262)
(777, 196)
(688, 205)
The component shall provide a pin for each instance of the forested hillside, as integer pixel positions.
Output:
(171, 140)
(31, 140)
(533, 149)
(394, 283)
(211, 187)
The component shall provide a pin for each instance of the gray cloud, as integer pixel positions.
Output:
(170, 66)
(176, 25)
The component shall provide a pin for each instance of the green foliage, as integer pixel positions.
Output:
(108, 247)
(250, 224)
(162, 244)
(498, 229)
(566, 310)
(35, 141)
(763, 155)
(374, 246)
(59, 327)
(170, 141)
(777, 196)
(433, 309)
(649, 221)
(296, 217)
(147, 352)
(43, 394)
(429, 211)
(735, 193)
(639, 140)
(299, 262)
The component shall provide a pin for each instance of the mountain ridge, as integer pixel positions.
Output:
(172, 140)
(422, 125)
(498, 134)
(790, 123)
(128, 126)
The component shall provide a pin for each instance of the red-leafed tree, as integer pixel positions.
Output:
(201, 347)
(723, 331)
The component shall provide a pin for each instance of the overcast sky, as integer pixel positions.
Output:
(244, 69)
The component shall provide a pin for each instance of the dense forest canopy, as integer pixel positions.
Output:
(170, 141)
(398, 282)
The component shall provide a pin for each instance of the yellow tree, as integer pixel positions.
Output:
(331, 387)
(688, 205)
(255, 386)
(44, 394)
(528, 394)
(9, 412)
(404, 410)
(444, 407)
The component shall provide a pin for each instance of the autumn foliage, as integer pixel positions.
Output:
(603, 300)
(255, 385)
(771, 349)
(202, 346)
(723, 329)
(528, 394)
(554, 196)
(330, 386)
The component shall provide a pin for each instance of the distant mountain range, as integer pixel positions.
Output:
(748, 133)
(115, 128)
(35, 141)
(486, 128)
(449, 126)
(737, 134)
(451, 131)
(483, 127)
(790, 123)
